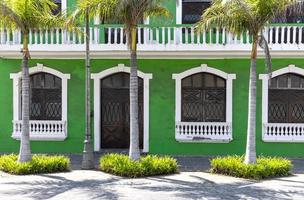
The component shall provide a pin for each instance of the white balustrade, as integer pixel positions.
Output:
(181, 38)
(281, 132)
(42, 130)
(203, 131)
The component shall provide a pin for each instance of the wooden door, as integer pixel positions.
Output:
(115, 112)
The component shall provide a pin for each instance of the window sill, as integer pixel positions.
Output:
(203, 132)
(42, 130)
(283, 132)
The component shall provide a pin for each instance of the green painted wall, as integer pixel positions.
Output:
(162, 100)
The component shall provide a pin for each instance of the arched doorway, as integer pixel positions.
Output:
(115, 111)
(97, 77)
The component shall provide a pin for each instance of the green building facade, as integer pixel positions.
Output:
(193, 89)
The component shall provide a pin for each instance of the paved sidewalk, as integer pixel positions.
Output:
(86, 185)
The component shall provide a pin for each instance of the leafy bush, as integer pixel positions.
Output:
(39, 164)
(121, 165)
(265, 167)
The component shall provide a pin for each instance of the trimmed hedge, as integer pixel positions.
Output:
(121, 165)
(39, 164)
(266, 167)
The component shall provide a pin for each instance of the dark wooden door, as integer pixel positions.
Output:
(115, 112)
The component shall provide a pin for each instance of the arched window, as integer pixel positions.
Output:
(283, 105)
(203, 98)
(45, 97)
(286, 99)
(203, 105)
(48, 104)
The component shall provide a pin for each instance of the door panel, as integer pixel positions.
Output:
(115, 112)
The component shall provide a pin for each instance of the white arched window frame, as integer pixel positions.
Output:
(97, 115)
(40, 129)
(203, 131)
(279, 132)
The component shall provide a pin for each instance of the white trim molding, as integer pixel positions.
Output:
(279, 132)
(64, 6)
(40, 130)
(97, 115)
(203, 131)
(179, 10)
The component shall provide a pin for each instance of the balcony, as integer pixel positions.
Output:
(180, 41)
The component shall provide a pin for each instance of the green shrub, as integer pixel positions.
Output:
(265, 167)
(121, 165)
(39, 164)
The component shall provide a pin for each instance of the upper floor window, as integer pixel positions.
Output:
(290, 18)
(286, 99)
(59, 7)
(192, 10)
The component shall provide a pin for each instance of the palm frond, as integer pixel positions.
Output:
(8, 17)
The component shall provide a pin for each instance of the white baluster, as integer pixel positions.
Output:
(169, 35)
(41, 36)
(277, 35)
(294, 30)
(121, 35)
(109, 35)
(163, 35)
(74, 36)
(210, 35)
(7, 36)
(115, 36)
(217, 36)
(204, 37)
(192, 35)
(139, 35)
(271, 35)
(151, 36)
(175, 35)
(91, 36)
(300, 34)
(288, 35)
(157, 36)
(198, 38)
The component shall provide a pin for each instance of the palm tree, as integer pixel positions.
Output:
(130, 13)
(239, 16)
(26, 15)
(83, 13)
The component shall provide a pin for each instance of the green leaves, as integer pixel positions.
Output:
(121, 165)
(266, 167)
(39, 164)
(238, 16)
(29, 14)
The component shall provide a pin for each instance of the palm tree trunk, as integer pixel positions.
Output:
(25, 149)
(88, 157)
(250, 157)
(134, 152)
